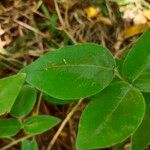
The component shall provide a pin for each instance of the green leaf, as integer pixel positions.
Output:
(111, 117)
(9, 90)
(24, 102)
(29, 145)
(136, 67)
(72, 72)
(55, 100)
(9, 127)
(141, 138)
(39, 124)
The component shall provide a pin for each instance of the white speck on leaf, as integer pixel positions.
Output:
(64, 60)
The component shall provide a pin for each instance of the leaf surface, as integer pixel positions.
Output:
(24, 102)
(38, 124)
(136, 67)
(141, 138)
(29, 145)
(9, 127)
(72, 72)
(111, 117)
(9, 90)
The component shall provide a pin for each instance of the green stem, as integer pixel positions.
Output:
(70, 114)
(39, 103)
(118, 74)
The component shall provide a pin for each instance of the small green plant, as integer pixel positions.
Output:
(119, 105)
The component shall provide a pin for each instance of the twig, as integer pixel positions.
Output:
(50, 145)
(15, 142)
(59, 14)
(70, 36)
(9, 67)
(110, 11)
(30, 28)
(62, 23)
(119, 52)
(10, 61)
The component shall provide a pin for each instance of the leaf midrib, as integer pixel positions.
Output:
(67, 66)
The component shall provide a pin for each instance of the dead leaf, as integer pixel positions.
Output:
(7, 39)
(129, 15)
(92, 11)
(66, 5)
(135, 30)
(139, 19)
(129, 12)
(2, 44)
(105, 20)
(147, 14)
(1, 31)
